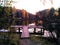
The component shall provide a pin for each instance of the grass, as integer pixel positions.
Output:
(39, 39)
(14, 39)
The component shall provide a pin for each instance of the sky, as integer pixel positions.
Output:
(34, 6)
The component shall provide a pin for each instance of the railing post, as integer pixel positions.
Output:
(34, 30)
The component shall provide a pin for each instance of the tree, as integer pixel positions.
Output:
(6, 3)
(6, 13)
(5, 16)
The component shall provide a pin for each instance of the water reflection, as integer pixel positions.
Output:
(24, 42)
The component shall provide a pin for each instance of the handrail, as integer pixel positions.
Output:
(28, 26)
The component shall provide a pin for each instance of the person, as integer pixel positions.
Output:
(25, 32)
